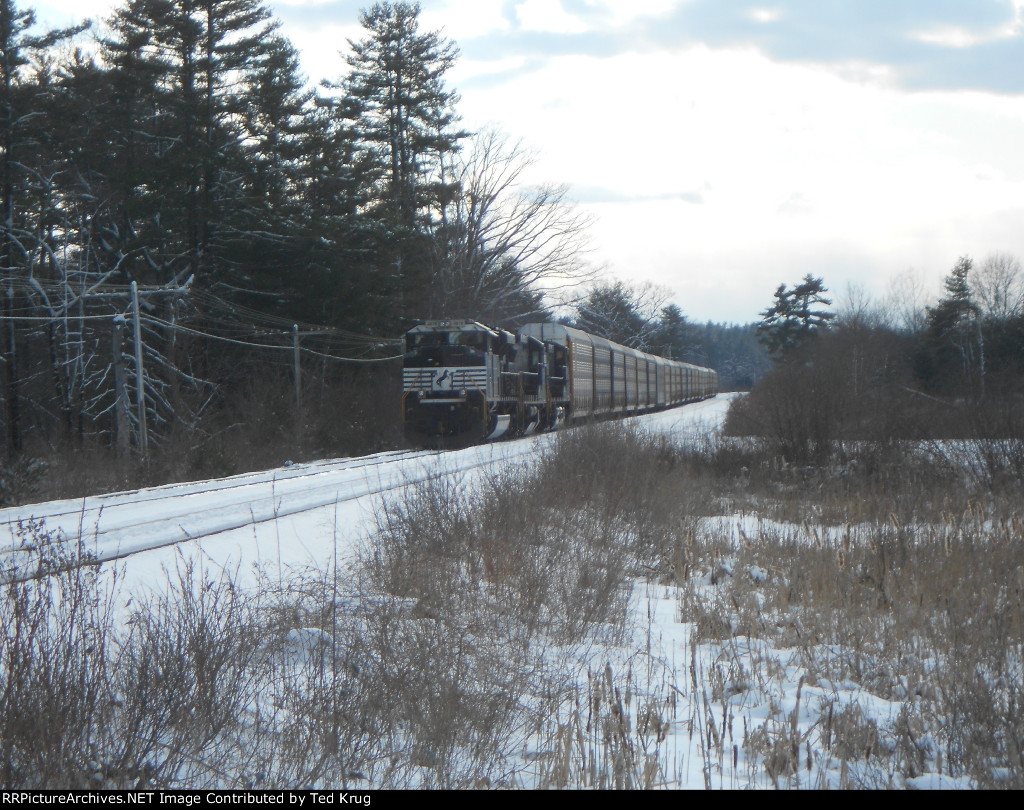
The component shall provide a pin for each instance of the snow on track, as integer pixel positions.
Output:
(125, 523)
(120, 524)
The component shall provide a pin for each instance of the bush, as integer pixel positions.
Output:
(421, 666)
(857, 385)
(21, 479)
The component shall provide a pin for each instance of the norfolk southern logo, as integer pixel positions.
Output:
(444, 381)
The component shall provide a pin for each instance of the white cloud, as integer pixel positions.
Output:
(321, 49)
(463, 19)
(953, 37)
(796, 205)
(949, 36)
(618, 12)
(465, 69)
(764, 15)
(802, 170)
(548, 16)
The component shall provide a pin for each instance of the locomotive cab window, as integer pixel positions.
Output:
(446, 348)
(419, 340)
(477, 341)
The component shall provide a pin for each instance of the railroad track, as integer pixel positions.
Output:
(118, 525)
(122, 524)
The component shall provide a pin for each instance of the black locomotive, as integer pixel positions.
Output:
(464, 382)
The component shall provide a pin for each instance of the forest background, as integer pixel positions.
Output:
(208, 265)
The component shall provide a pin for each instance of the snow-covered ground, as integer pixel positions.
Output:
(688, 707)
(296, 516)
(742, 714)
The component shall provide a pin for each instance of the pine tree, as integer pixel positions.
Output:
(405, 113)
(954, 346)
(25, 183)
(180, 67)
(25, 122)
(275, 124)
(796, 315)
(137, 71)
(404, 119)
(341, 244)
(675, 338)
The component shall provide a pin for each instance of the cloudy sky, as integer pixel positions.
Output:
(724, 146)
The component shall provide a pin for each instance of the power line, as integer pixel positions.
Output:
(198, 333)
(237, 319)
(53, 318)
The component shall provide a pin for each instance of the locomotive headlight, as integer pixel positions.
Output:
(463, 392)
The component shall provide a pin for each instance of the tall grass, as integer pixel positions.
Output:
(420, 665)
(904, 579)
(471, 641)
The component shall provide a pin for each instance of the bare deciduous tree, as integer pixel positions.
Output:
(623, 313)
(856, 308)
(906, 301)
(501, 244)
(998, 286)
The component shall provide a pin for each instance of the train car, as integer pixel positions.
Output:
(464, 382)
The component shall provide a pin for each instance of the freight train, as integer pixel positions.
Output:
(464, 382)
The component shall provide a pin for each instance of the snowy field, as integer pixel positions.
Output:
(691, 710)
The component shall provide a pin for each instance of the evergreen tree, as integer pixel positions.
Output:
(341, 242)
(673, 337)
(180, 69)
(263, 228)
(796, 315)
(404, 119)
(26, 121)
(276, 126)
(953, 353)
(26, 199)
(406, 115)
(134, 159)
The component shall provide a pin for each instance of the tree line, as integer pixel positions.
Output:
(642, 317)
(177, 153)
(199, 247)
(896, 369)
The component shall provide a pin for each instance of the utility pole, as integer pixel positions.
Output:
(120, 392)
(11, 382)
(140, 394)
(297, 370)
(297, 374)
